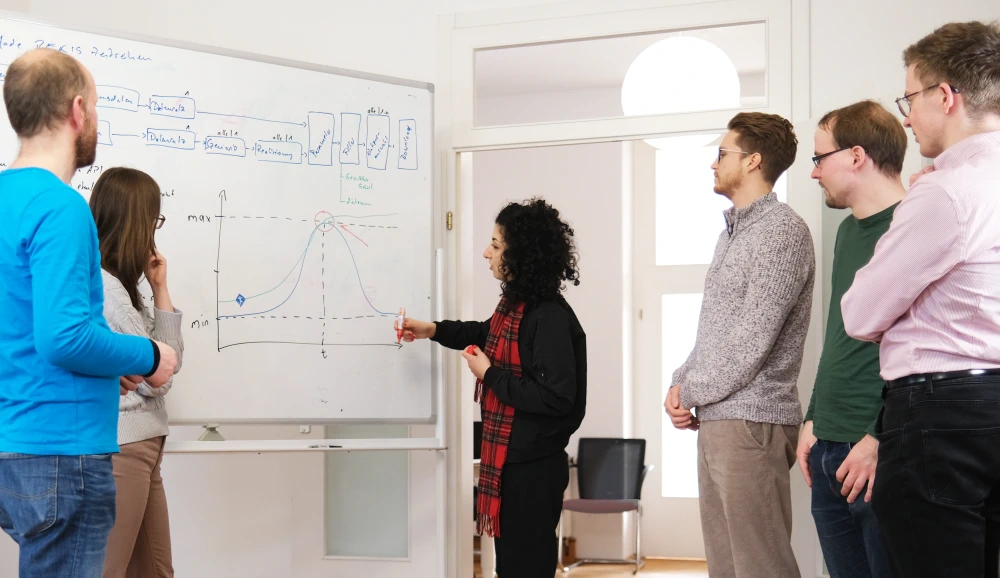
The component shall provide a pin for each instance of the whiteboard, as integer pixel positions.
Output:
(298, 206)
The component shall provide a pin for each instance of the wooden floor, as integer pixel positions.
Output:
(652, 569)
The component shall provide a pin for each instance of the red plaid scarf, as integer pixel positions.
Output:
(502, 350)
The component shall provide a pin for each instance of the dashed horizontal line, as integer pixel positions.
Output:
(367, 226)
(224, 318)
(257, 217)
(362, 225)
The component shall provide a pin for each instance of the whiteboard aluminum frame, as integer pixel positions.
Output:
(434, 261)
(183, 45)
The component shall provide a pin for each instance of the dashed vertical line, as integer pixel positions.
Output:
(322, 278)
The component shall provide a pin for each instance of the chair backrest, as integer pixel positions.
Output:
(610, 468)
(477, 439)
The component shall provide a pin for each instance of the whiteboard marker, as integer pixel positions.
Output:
(399, 328)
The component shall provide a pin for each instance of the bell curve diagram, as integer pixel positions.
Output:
(316, 253)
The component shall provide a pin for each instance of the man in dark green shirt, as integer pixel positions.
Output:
(859, 158)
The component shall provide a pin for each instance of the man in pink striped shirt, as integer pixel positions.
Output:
(931, 296)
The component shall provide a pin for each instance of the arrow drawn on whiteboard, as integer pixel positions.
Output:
(398, 346)
(302, 124)
(344, 227)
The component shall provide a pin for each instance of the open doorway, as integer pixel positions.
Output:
(646, 220)
(542, 114)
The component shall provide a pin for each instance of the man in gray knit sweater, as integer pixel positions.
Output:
(741, 375)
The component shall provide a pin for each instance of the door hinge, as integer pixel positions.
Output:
(449, 220)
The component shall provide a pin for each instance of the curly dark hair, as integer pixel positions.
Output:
(539, 254)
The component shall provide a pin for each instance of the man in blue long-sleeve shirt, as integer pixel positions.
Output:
(59, 362)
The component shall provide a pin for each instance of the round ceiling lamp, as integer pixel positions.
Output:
(676, 75)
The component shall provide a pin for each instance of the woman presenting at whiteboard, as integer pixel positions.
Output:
(126, 208)
(530, 363)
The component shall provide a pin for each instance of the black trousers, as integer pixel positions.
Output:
(937, 485)
(531, 497)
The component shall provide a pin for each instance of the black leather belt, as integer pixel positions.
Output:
(935, 377)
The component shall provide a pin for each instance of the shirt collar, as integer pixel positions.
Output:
(960, 153)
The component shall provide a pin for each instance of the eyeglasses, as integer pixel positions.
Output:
(722, 150)
(160, 220)
(819, 158)
(904, 104)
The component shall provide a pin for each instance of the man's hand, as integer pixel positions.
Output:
(128, 383)
(680, 417)
(168, 365)
(806, 442)
(859, 468)
(923, 171)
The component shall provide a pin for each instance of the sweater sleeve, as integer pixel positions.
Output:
(836, 246)
(461, 334)
(924, 242)
(812, 407)
(125, 319)
(681, 372)
(61, 242)
(777, 277)
(166, 327)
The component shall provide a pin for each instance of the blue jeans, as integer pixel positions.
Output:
(848, 533)
(59, 509)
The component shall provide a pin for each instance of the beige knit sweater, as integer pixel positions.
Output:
(142, 414)
(754, 318)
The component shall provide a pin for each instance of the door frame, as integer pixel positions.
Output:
(459, 36)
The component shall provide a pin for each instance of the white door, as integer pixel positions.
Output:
(593, 33)
(677, 221)
(667, 301)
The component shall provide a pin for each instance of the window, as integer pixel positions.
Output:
(680, 447)
(583, 79)
(688, 211)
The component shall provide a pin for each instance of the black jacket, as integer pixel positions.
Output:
(550, 397)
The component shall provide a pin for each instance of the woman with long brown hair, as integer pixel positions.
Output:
(126, 208)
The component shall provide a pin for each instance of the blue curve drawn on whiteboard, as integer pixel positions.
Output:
(302, 264)
(358, 273)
